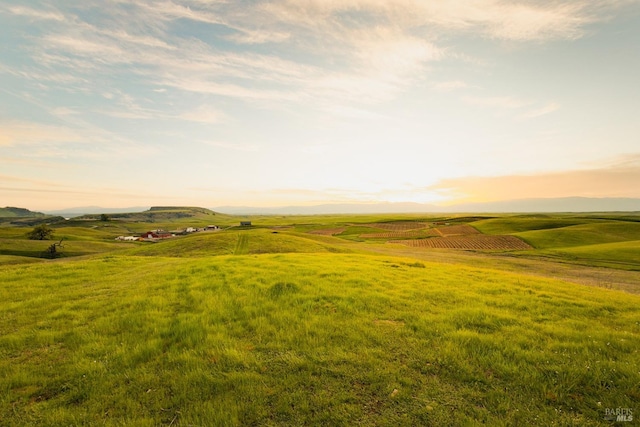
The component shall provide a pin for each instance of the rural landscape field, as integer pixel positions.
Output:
(386, 320)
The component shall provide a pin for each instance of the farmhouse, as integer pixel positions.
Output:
(156, 234)
(245, 223)
(212, 227)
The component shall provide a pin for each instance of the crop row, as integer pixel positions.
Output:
(398, 226)
(477, 242)
(401, 234)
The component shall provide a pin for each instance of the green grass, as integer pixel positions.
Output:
(593, 240)
(275, 326)
(353, 232)
(583, 234)
(519, 223)
(316, 339)
(624, 255)
(18, 259)
(36, 248)
(257, 241)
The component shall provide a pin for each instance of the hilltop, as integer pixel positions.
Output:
(156, 214)
(13, 212)
(24, 217)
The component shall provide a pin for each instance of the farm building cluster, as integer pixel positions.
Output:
(155, 235)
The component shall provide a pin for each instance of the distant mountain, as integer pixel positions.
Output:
(566, 204)
(12, 212)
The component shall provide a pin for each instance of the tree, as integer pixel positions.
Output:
(41, 232)
(104, 217)
(52, 251)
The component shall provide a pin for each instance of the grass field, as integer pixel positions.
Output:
(276, 326)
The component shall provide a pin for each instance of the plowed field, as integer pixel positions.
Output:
(475, 242)
(398, 226)
(401, 234)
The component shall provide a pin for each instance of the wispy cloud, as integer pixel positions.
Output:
(547, 109)
(449, 86)
(232, 146)
(204, 114)
(29, 134)
(504, 102)
(17, 180)
(376, 48)
(92, 80)
(35, 14)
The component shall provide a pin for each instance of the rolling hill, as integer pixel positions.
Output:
(12, 212)
(302, 321)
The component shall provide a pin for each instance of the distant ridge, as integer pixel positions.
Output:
(565, 204)
(87, 210)
(13, 212)
(180, 208)
(153, 214)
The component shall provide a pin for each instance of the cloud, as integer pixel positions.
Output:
(547, 109)
(203, 114)
(615, 180)
(449, 86)
(232, 146)
(327, 52)
(29, 134)
(508, 20)
(27, 181)
(503, 102)
(40, 15)
(74, 139)
(245, 36)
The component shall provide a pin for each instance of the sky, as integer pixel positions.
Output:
(120, 103)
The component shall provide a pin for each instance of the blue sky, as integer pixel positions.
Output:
(266, 103)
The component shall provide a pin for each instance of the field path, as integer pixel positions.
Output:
(242, 247)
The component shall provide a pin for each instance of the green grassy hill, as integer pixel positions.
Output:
(12, 212)
(272, 325)
(583, 234)
(257, 241)
(518, 223)
(160, 217)
(316, 339)
(612, 241)
(625, 255)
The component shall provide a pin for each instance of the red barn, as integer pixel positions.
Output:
(156, 234)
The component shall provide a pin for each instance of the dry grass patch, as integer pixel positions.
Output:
(328, 231)
(456, 230)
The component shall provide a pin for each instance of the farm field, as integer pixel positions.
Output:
(283, 324)
(471, 242)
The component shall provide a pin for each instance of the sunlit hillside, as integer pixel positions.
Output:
(307, 321)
